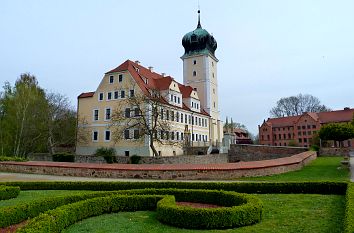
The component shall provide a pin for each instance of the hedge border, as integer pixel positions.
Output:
(320, 187)
(238, 210)
(8, 192)
(349, 210)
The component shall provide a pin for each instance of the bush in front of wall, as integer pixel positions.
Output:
(63, 157)
(107, 153)
(8, 192)
(135, 159)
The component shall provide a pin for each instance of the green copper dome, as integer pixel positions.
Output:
(198, 41)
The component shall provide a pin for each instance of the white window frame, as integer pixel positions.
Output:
(93, 114)
(93, 136)
(105, 113)
(99, 94)
(110, 135)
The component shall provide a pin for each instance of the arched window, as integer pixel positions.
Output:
(194, 73)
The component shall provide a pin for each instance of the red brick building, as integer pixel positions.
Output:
(299, 130)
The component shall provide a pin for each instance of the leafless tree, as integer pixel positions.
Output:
(297, 105)
(147, 114)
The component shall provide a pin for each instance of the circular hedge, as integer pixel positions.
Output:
(238, 210)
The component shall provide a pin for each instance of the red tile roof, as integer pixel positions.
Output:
(155, 81)
(86, 94)
(345, 115)
(336, 116)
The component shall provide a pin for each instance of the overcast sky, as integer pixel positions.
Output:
(266, 49)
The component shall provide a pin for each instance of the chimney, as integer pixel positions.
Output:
(151, 68)
(137, 62)
(163, 74)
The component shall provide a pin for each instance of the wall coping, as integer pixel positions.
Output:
(295, 159)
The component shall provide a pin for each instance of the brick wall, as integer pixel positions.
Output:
(335, 151)
(186, 172)
(261, 152)
(186, 159)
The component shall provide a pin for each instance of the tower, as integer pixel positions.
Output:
(200, 72)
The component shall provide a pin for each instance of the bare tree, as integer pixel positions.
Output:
(297, 105)
(61, 121)
(147, 115)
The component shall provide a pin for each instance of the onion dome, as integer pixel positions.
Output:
(198, 41)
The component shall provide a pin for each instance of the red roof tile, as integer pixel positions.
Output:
(155, 81)
(336, 116)
(86, 94)
(282, 121)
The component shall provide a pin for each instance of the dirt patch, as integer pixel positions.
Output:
(13, 228)
(197, 205)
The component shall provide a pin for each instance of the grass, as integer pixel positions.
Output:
(26, 196)
(300, 213)
(323, 168)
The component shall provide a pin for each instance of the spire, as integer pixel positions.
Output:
(199, 25)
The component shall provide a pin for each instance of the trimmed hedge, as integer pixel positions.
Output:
(8, 192)
(325, 187)
(16, 214)
(242, 210)
(62, 217)
(349, 210)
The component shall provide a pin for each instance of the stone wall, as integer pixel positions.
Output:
(166, 172)
(187, 159)
(261, 152)
(335, 151)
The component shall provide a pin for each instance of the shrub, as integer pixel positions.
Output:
(8, 192)
(324, 187)
(13, 158)
(135, 159)
(240, 210)
(315, 148)
(349, 210)
(63, 157)
(107, 153)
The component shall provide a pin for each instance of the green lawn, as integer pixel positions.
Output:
(282, 213)
(323, 168)
(26, 196)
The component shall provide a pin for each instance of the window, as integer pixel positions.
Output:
(171, 97)
(177, 136)
(161, 134)
(314, 126)
(299, 127)
(116, 95)
(131, 93)
(178, 100)
(185, 119)
(111, 79)
(193, 137)
(95, 114)
(107, 135)
(100, 96)
(305, 139)
(136, 112)
(309, 126)
(172, 115)
(303, 127)
(192, 120)
(122, 94)
(127, 112)
(120, 78)
(279, 136)
(181, 117)
(300, 140)
(175, 98)
(195, 62)
(182, 137)
(126, 153)
(167, 115)
(200, 122)
(214, 105)
(108, 114)
(95, 136)
(194, 73)
(167, 135)
(161, 113)
(172, 135)
(136, 133)
(177, 116)
(126, 134)
(109, 95)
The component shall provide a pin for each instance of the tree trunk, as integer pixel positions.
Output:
(156, 154)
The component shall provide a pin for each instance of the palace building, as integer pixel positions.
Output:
(191, 108)
(299, 130)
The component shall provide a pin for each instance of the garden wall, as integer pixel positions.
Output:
(188, 159)
(165, 171)
(261, 152)
(334, 151)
